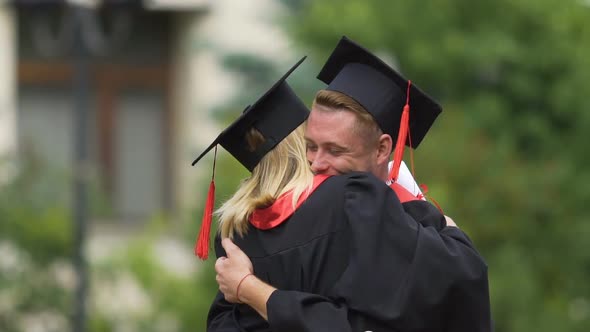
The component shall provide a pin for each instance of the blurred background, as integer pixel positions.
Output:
(104, 104)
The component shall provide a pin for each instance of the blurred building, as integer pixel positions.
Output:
(153, 82)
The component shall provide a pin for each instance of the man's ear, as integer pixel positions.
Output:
(384, 148)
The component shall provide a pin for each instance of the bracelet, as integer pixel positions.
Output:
(240, 284)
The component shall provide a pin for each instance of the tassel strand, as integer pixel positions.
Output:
(202, 245)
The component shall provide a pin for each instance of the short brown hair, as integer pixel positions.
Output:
(366, 126)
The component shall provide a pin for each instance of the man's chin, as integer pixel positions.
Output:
(329, 173)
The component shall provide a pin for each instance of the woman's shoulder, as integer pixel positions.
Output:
(354, 181)
(344, 180)
(336, 190)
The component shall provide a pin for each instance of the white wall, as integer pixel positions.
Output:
(7, 90)
(228, 26)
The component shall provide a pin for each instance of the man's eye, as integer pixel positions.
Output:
(335, 151)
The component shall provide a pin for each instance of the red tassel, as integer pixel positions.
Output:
(398, 153)
(425, 191)
(202, 245)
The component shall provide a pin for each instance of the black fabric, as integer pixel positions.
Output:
(352, 258)
(275, 115)
(359, 74)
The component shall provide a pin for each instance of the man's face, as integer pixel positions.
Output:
(333, 145)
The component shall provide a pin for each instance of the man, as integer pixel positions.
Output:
(351, 128)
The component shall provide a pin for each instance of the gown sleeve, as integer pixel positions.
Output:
(413, 276)
(221, 317)
(293, 311)
(404, 273)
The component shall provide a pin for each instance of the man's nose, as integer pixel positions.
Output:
(319, 165)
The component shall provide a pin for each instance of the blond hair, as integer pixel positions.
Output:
(333, 101)
(285, 168)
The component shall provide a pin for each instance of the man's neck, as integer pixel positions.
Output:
(382, 172)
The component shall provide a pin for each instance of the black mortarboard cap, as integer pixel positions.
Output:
(275, 115)
(357, 73)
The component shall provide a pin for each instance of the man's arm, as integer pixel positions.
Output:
(296, 311)
(220, 317)
(408, 274)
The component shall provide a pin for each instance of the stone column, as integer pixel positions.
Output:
(8, 62)
(197, 82)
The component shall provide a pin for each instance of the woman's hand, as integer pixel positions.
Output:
(231, 270)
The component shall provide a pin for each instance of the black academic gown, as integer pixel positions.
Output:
(353, 258)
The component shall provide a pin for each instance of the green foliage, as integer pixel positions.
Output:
(35, 210)
(253, 70)
(176, 299)
(37, 280)
(513, 79)
(33, 214)
(29, 290)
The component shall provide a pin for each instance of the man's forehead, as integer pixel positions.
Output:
(325, 140)
(332, 138)
(323, 109)
(339, 117)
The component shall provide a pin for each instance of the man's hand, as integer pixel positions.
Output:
(231, 269)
